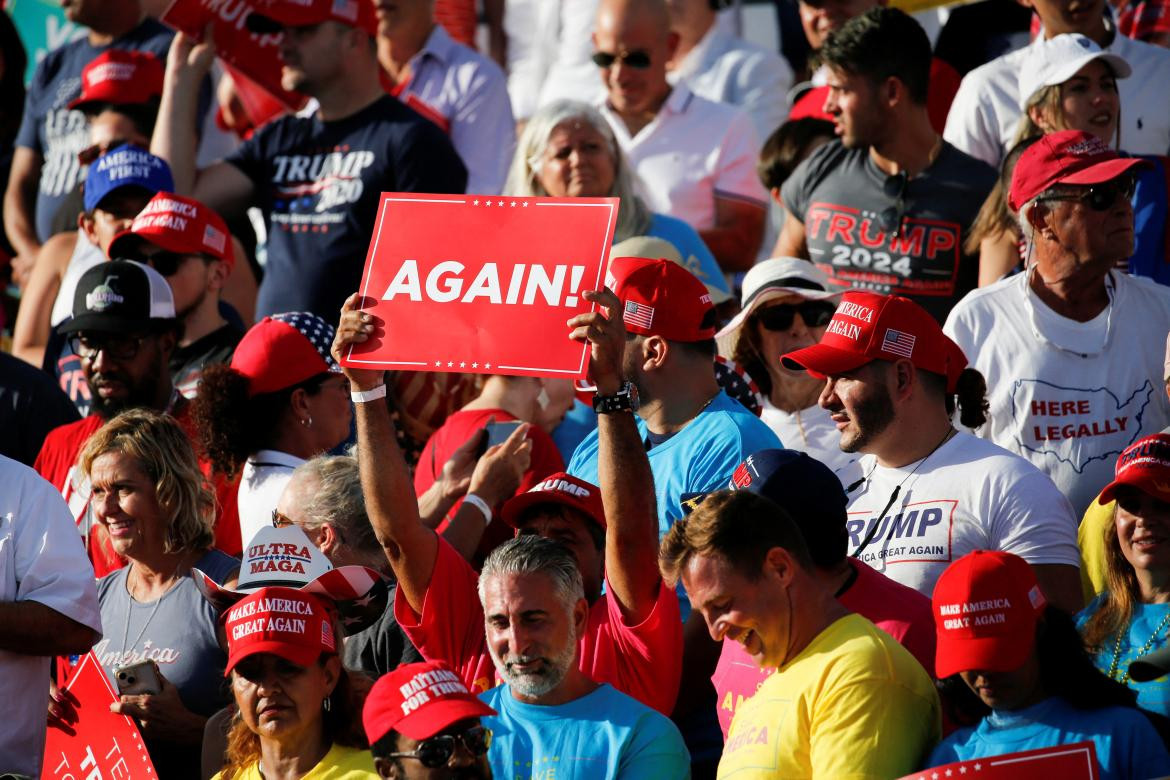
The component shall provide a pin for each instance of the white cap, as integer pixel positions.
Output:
(1058, 59)
(776, 278)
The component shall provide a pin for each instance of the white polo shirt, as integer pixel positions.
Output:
(985, 114)
(466, 94)
(692, 153)
(727, 69)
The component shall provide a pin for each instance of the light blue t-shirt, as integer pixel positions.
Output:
(1147, 619)
(697, 258)
(1128, 747)
(604, 734)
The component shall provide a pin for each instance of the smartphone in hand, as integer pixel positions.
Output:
(139, 678)
(498, 433)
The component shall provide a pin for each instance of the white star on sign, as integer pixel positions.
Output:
(500, 203)
(475, 365)
(463, 365)
(438, 363)
(950, 772)
(962, 770)
(487, 365)
(449, 364)
(525, 205)
(978, 767)
(475, 202)
(487, 203)
(513, 204)
(934, 776)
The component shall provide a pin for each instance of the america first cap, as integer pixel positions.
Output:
(177, 224)
(868, 326)
(125, 166)
(559, 488)
(120, 76)
(986, 606)
(419, 700)
(661, 298)
(120, 296)
(272, 16)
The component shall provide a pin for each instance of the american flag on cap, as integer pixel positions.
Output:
(638, 314)
(319, 333)
(898, 342)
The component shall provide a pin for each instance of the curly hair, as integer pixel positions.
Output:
(233, 425)
(162, 450)
(342, 723)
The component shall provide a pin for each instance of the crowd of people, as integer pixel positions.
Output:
(871, 475)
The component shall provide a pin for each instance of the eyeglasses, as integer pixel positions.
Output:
(91, 153)
(437, 750)
(638, 59)
(1100, 197)
(780, 317)
(281, 520)
(166, 263)
(118, 347)
(890, 220)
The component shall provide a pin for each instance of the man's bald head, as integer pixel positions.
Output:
(617, 15)
(636, 85)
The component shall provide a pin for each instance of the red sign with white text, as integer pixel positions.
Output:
(256, 56)
(1075, 761)
(479, 284)
(105, 744)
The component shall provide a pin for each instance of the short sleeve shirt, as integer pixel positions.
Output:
(842, 198)
(319, 183)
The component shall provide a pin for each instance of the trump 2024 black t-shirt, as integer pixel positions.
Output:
(839, 194)
(319, 183)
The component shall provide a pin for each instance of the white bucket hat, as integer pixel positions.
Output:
(776, 278)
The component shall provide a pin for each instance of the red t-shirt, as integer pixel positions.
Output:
(458, 428)
(59, 455)
(642, 661)
(901, 612)
(944, 83)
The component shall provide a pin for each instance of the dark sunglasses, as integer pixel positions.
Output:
(91, 153)
(88, 345)
(1100, 197)
(437, 750)
(890, 220)
(166, 263)
(637, 59)
(780, 317)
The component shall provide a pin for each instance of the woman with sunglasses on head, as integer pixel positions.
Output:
(298, 713)
(568, 150)
(281, 401)
(1131, 618)
(786, 306)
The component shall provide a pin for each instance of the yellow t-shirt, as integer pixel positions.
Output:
(1091, 540)
(853, 704)
(340, 763)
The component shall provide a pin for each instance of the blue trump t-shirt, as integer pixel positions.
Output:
(604, 734)
(319, 183)
(1127, 744)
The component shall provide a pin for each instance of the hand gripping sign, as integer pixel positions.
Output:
(105, 744)
(479, 284)
(1074, 761)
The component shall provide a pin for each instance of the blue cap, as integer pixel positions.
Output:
(807, 490)
(126, 166)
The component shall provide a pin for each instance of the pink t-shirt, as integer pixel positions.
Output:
(901, 612)
(642, 661)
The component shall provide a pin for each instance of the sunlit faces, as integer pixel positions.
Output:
(281, 700)
(577, 162)
(798, 335)
(859, 118)
(1088, 236)
(1143, 529)
(531, 634)
(1090, 101)
(115, 213)
(331, 412)
(860, 405)
(126, 379)
(756, 613)
(124, 500)
(634, 90)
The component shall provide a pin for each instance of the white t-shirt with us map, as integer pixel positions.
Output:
(967, 495)
(1068, 396)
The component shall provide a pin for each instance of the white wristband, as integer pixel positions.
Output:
(365, 396)
(481, 505)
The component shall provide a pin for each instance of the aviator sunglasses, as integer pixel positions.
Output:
(638, 59)
(1100, 197)
(436, 751)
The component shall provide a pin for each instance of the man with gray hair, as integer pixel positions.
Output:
(1072, 349)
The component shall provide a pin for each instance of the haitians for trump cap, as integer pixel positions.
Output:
(177, 224)
(661, 298)
(290, 623)
(868, 326)
(418, 701)
(272, 16)
(1145, 465)
(120, 296)
(559, 488)
(121, 77)
(986, 606)
(125, 166)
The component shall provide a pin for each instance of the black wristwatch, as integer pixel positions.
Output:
(624, 400)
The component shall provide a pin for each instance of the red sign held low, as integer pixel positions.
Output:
(479, 284)
(1074, 761)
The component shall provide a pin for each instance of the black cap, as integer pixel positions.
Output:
(807, 490)
(120, 296)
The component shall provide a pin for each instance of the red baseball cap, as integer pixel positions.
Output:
(121, 77)
(177, 224)
(291, 623)
(661, 298)
(986, 605)
(559, 488)
(1066, 157)
(284, 350)
(418, 701)
(868, 326)
(272, 16)
(1145, 465)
